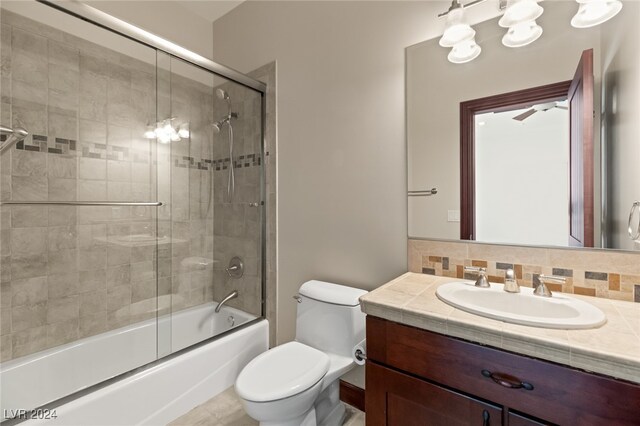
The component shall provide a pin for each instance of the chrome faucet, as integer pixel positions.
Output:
(228, 297)
(510, 283)
(542, 289)
(482, 280)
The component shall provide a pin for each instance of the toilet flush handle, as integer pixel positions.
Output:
(298, 298)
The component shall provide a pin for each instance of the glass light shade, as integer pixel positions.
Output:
(464, 51)
(150, 133)
(164, 138)
(522, 34)
(184, 131)
(456, 29)
(519, 11)
(595, 12)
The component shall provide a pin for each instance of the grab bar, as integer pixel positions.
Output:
(423, 192)
(634, 234)
(81, 203)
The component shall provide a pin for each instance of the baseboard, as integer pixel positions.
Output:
(352, 395)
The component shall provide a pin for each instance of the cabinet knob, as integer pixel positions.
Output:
(507, 380)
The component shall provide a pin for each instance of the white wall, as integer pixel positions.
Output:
(436, 87)
(167, 19)
(341, 131)
(522, 178)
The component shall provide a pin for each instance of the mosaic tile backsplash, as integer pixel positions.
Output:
(612, 275)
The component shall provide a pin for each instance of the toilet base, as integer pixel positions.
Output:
(336, 417)
(330, 410)
(327, 410)
(307, 419)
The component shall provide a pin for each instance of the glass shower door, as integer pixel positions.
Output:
(79, 247)
(216, 210)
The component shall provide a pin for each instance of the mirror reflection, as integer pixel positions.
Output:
(532, 145)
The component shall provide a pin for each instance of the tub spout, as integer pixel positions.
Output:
(228, 297)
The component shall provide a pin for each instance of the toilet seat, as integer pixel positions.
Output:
(282, 372)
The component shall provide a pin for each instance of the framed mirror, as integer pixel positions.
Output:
(537, 145)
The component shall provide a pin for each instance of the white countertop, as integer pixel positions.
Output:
(612, 349)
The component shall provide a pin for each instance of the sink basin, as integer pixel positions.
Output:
(560, 311)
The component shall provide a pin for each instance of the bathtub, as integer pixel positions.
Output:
(153, 396)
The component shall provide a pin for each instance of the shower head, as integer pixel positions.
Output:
(222, 94)
(15, 135)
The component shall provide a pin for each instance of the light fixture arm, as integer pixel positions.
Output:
(455, 4)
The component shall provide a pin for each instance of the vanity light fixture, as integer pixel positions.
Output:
(595, 12)
(520, 17)
(165, 132)
(459, 35)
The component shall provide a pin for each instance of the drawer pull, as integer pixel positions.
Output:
(485, 418)
(507, 381)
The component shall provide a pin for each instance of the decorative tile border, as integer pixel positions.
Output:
(62, 146)
(588, 283)
(242, 161)
(105, 152)
(41, 143)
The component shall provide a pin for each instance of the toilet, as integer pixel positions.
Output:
(296, 384)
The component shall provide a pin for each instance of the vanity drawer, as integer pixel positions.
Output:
(556, 393)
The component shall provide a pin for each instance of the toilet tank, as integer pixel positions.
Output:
(329, 317)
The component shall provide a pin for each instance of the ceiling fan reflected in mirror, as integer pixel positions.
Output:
(541, 107)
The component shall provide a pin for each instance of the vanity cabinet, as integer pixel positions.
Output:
(409, 401)
(417, 377)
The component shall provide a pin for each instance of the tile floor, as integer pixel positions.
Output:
(226, 410)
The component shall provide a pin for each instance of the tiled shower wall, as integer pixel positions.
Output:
(237, 220)
(72, 272)
(607, 274)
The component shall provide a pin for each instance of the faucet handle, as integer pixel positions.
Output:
(509, 274)
(542, 289)
(482, 280)
(510, 283)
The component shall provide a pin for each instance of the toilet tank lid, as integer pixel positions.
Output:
(331, 293)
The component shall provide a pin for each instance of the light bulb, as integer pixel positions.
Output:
(522, 34)
(595, 12)
(464, 51)
(174, 136)
(456, 29)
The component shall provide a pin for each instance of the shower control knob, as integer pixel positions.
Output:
(235, 268)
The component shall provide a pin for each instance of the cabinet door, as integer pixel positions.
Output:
(521, 420)
(396, 399)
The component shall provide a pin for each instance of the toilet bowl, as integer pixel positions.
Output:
(296, 384)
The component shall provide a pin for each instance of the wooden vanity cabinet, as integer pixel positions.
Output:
(417, 377)
(401, 399)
